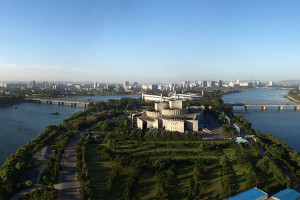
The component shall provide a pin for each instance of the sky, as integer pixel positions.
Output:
(149, 40)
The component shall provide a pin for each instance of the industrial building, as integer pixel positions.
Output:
(171, 116)
(251, 194)
(287, 194)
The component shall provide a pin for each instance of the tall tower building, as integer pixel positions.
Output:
(126, 83)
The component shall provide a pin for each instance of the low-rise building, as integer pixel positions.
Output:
(251, 194)
(287, 194)
(171, 116)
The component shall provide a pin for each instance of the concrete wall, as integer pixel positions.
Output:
(150, 124)
(157, 123)
(177, 104)
(153, 114)
(173, 125)
(161, 106)
(192, 125)
(140, 123)
(175, 112)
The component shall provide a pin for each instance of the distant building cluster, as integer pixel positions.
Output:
(129, 86)
(188, 85)
(170, 116)
(71, 86)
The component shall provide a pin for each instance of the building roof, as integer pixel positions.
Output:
(240, 139)
(250, 194)
(287, 194)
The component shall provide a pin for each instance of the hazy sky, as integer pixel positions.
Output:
(149, 40)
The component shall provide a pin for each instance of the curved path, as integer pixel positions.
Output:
(68, 186)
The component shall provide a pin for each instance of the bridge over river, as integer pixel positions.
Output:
(264, 106)
(71, 102)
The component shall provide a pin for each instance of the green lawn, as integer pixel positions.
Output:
(145, 186)
(145, 189)
(99, 170)
(184, 173)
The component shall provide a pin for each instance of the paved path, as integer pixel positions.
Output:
(67, 186)
(36, 185)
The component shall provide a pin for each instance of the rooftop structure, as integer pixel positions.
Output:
(171, 116)
(287, 194)
(251, 194)
(241, 140)
(161, 98)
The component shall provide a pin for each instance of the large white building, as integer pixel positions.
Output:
(171, 116)
(175, 96)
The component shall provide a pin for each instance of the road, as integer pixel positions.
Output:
(67, 186)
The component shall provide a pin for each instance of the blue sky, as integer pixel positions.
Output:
(149, 40)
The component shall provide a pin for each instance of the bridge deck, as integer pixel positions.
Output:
(240, 104)
(59, 100)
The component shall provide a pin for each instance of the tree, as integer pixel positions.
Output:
(263, 164)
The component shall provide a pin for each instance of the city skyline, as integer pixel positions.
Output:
(149, 41)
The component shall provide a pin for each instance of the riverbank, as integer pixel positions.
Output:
(292, 99)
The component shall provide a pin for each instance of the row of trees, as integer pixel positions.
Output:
(281, 151)
(295, 93)
(197, 181)
(15, 164)
(227, 175)
(82, 168)
(275, 147)
(56, 137)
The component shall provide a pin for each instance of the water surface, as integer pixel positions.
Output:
(283, 124)
(18, 126)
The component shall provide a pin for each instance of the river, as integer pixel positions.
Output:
(20, 125)
(282, 124)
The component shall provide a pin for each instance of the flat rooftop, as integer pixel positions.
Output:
(251, 194)
(287, 194)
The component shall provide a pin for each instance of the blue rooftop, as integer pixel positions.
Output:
(251, 194)
(287, 194)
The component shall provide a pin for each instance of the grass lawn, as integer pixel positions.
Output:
(146, 188)
(117, 188)
(213, 182)
(99, 170)
(184, 173)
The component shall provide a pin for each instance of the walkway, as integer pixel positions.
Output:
(67, 186)
(36, 185)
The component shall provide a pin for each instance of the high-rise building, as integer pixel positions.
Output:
(135, 84)
(126, 83)
(204, 84)
(31, 85)
(45, 85)
(220, 83)
(95, 85)
(153, 87)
